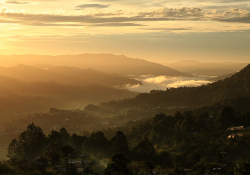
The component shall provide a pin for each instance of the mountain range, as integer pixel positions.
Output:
(45, 82)
(19, 98)
(66, 75)
(26, 89)
(102, 62)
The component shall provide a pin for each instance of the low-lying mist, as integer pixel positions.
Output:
(162, 82)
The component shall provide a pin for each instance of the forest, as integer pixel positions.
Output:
(187, 142)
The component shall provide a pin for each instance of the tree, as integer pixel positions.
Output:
(41, 163)
(178, 116)
(226, 117)
(77, 141)
(54, 153)
(144, 150)
(91, 107)
(119, 143)
(243, 167)
(202, 167)
(97, 144)
(118, 166)
(177, 161)
(65, 135)
(54, 110)
(55, 136)
(5, 169)
(68, 153)
(189, 125)
(13, 149)
(30, 144)
(148, 167)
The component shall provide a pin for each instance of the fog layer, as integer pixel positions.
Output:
(162, 82)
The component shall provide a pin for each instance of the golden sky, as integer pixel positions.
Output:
(155, 30)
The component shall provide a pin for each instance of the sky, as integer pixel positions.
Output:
(155, 30)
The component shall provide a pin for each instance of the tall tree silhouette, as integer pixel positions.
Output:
(119, 143)
(30, 144)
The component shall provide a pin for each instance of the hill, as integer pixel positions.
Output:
(93, 76)
(102, 62)
(229, 88)
(66, 75)
(8, 83)
(19, 98)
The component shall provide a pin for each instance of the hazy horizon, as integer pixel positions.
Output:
(181, 61)
(156, 30)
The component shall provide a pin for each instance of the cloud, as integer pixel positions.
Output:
(52, 24)
(156, 80)
(225, 7)
(16, 2)
(164, 82)
(167, 28)
(118, 24)
(173, 12)
(232, 15)
(100, 6)
(115, 19)
(7, 21)
(235, 13)
(108, 0)
(188, 83)
(50, 37)
(229, 1)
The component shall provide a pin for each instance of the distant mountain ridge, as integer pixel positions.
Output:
(102, 62)
(66, 75)
(198, 68)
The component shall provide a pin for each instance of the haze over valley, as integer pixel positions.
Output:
(35, 83)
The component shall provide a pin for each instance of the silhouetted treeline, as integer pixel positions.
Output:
(188, 141)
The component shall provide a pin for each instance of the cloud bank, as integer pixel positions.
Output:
(83, 6)
(164, 82)
(15, 2)
(232, 15)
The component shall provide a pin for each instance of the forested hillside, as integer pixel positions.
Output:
(190, 142)
(19, 98)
